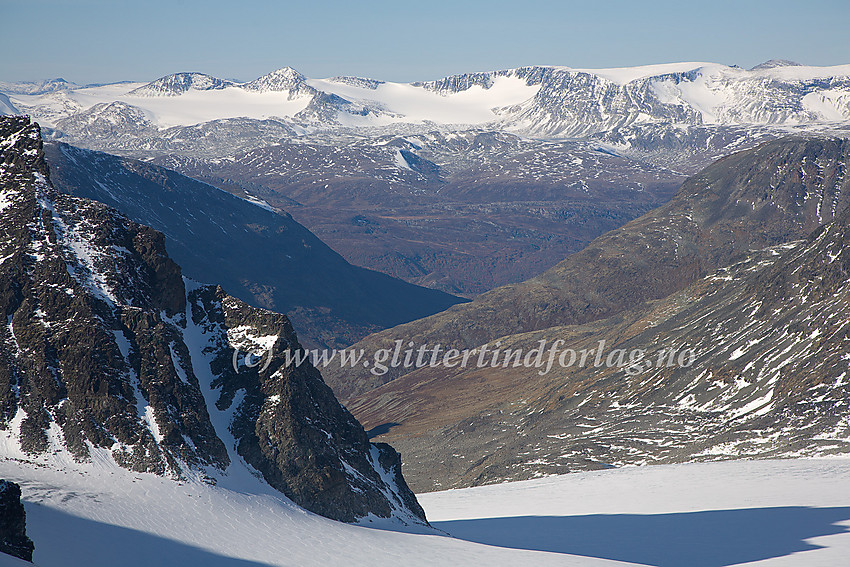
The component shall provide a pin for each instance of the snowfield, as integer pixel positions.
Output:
(777, 513)
(402, 103)
(409, 103)
(794, 512)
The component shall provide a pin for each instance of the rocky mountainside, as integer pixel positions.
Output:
(776, 193)
(767, 325)
(109, 355)
(259, 254)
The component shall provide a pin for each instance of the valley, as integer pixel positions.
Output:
(169, 245)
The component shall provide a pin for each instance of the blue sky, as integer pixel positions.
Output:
(110, 40)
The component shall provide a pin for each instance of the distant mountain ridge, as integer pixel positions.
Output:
(512, 154)
(538, 101)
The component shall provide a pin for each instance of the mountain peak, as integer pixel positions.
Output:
(773, 63)
(283, 79)
(179, 83)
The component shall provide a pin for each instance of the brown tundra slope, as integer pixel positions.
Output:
(738, 268)
(776, 193)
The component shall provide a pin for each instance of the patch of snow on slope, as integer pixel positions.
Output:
(831, 104)
(400, 162)
(85, 270)
(6, 106)
(6, 199)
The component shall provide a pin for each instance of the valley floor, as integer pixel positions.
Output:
(794, 512)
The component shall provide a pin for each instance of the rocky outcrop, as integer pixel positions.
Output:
(287, 423)
(89, 342)
(13, 523)
(108, 353)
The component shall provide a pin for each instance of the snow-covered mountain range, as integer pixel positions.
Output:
(537, 101)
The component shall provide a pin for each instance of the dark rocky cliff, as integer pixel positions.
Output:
(13, 523)
(107, 352)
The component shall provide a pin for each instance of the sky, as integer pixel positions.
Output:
(89, 41)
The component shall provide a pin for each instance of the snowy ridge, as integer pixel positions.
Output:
(175, 85)
(6, 106)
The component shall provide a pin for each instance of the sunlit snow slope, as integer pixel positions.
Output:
(775, 513)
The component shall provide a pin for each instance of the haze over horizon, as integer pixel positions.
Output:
(94, 41)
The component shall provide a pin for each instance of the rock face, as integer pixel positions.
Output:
(108, 353)
(13, 523)
(287, 423)
(78, 283)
